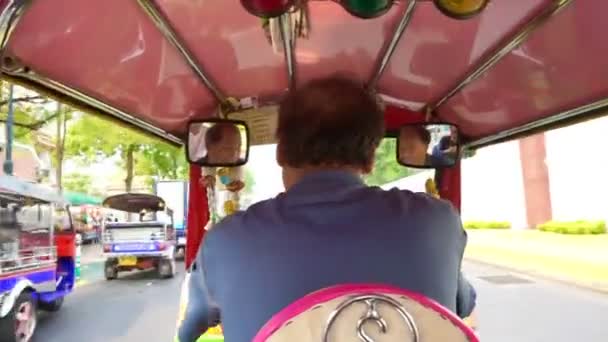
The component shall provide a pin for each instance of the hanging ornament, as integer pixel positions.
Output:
(461, 9)
(431, 188)
(267, 8)
(367, 9)
(230, 207)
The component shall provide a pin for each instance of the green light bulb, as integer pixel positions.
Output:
(367, 8)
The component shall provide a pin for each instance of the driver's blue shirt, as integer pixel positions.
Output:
(328, 229)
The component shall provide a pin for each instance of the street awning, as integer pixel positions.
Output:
(78, 198)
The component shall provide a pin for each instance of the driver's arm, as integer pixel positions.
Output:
(466, 297)
(201, 313)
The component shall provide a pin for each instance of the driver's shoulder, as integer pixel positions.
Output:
(421, 201)
(237, 225)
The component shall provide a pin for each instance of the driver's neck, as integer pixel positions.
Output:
(292, 176)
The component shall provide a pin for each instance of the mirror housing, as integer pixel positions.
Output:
(428, 145)
(218, 143)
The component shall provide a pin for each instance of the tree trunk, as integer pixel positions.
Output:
(174, 169)
(60, 146)
(130, 167)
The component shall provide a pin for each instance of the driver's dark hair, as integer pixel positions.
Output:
(424, 134)
(332, 121)
(216, 133)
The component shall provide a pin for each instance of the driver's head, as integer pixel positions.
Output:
(329, 123)
(453, 134)
(223, 142)
(413, 144)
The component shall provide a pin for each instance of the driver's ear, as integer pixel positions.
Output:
(369, 167)
(279, 155)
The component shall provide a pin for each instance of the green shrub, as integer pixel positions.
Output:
(580, 227)
(487, 225)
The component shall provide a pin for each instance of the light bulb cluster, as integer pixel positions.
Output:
(461, 9)
(359, 8)
(366, 9)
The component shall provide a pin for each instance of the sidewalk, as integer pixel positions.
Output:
(577, 259)
(91, 254)
(91, 261)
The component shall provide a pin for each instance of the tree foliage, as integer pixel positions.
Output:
(386, 168)
(163, 161)
(30, 111)
(92, 139)
(78, 182)
(63, 114)
(89, 139)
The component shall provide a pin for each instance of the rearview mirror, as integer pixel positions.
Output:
(218, 142)
(428, 146)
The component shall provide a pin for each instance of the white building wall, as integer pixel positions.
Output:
(492, 186)
(577, 158)
(492, 183)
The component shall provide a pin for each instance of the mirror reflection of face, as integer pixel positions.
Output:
(453, 134)
(413, 145)
(223, 142)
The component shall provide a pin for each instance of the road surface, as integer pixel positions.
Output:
(512, 307)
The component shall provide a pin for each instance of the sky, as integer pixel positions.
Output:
(268, 181)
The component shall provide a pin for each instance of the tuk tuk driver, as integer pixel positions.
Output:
(447, 148)
(328, 227)
(223, 144)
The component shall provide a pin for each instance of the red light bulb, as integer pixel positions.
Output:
(267, 8)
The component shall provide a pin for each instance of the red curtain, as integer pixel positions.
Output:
(450, 184)
(198, 214)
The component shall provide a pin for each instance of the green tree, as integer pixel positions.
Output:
(92, 139)
(163, 161)
(63, 114)
(386, 168)
(30, 111)
(78, 182)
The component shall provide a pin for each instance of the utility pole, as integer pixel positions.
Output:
(8, 161)
(59, 147)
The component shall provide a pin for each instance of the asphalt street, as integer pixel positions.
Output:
(512, 307)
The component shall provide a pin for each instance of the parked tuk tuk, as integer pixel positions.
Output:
(146, 243)
(491, 71)
(37, 255)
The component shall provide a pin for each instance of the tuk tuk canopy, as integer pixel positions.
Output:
(135, 203)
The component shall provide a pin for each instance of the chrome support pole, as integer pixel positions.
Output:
(388, 50)
(504, 49)
(8, 161)
(169, 33)
(288, 48)
(12, 68)
(538, 124)
(93, 102)
(9, 17)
